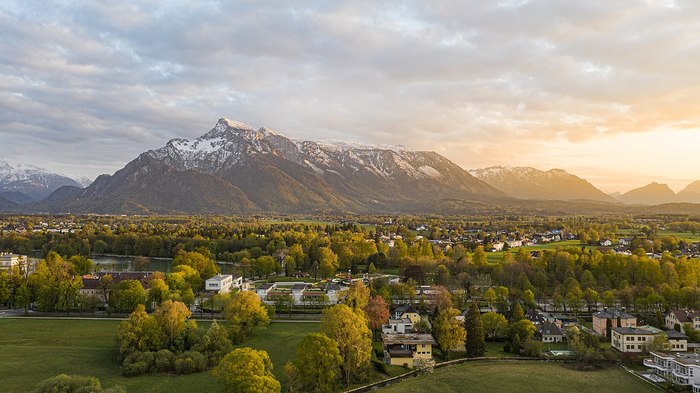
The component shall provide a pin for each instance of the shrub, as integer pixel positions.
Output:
(138, 363)
(190, 362)
(68, 384)
(164, 361)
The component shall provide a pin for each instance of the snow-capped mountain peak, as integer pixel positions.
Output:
(33, 181)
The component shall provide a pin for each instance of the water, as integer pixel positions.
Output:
(110, 263)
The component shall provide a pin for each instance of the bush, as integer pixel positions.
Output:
(532, 348)
(190, 362)
(69, 384)
(379, 366)
(164, 361)
(138, 363)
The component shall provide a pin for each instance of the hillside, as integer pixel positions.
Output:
(531, 183)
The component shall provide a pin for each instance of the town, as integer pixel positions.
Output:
(430, 292)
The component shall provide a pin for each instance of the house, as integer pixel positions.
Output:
(398, 326)
(619, 318)
(606, 243)
(92, 283)
(679, 368)
(221, 283)
(549, 332)
(679, 317)
(264, 289)
(407, 312)
(677, 340)
(9, 260)
(631, 339)
(333, 293)
(405, 349)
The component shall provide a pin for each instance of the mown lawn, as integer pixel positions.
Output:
(33, 349)
(522, 377)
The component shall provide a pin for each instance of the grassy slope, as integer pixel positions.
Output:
(32, 350)
(521, 377)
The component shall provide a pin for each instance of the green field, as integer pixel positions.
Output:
(686, 236)
(32, 350)
(524, 377)
(497, 257)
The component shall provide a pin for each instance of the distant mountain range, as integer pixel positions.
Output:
(531, 183)
(236, 169)
(25, 184)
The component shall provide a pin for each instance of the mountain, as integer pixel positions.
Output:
(84, 181)
(234, 168)
(651, 194)
(691, 193)
(17, 197)
(531, 183)
(7, 205)
(36, 183)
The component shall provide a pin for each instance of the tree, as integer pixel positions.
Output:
(81, 265)
(490, 297)
(448, 331)
(246, 370)
(318, 363)
(158, 291)
(376, 312)
(244, 313)
(442, 276)
(476, 343)
(524, 329)
(328, 261)
(479, 257)
(517, 313)
(203, 264)
(659, 343)
(139, 333)
(127, 295)
(171, 317)
(351, 333)
(215, 343)
(357, 297)
(494, 324)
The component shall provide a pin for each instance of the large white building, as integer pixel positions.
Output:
(631, 339)
(221, 283)
(679, 368)
(9, 260)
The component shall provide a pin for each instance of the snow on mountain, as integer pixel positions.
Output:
(532, 183)
(230, 142)
(32, 181)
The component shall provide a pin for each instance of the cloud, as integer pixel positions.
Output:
(87, 86)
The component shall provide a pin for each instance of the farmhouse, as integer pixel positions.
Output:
(405, 349)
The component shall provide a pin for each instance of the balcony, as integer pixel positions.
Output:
(651, 363)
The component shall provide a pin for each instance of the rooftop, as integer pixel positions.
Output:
(408, 338)
(220, 277)
(632, 330)
(613, 314)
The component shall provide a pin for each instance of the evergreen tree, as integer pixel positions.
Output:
(476, 341)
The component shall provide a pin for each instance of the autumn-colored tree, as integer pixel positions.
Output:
(317, 364)
(171, 317)
(158, 291)
(200, 262)
(448, 331)
(139, 333)
(246, 370)
(350, 331)
(494, 324)
(376, 312)
(357, 297)
(490, 297)
(328, 261)
(244, 313)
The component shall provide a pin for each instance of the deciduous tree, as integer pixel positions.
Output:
(246, 370)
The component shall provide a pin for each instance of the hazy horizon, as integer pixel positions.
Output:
(605, 91)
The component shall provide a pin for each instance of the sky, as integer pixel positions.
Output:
(608, 90)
